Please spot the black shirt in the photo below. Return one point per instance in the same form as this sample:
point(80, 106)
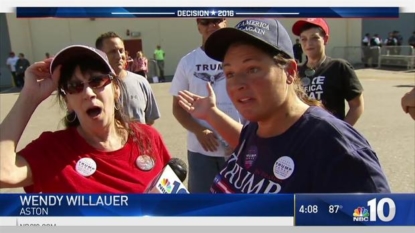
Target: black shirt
point(333, 82)
point(298, 51)
point(21, 65)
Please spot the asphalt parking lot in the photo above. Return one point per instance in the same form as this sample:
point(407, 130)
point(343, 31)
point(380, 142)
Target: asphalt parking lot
point(387, 128)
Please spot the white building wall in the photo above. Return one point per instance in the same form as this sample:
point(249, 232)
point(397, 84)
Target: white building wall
point(35, 37)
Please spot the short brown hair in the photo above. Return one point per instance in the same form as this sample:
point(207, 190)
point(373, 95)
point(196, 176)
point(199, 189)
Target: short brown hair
point(99, 43)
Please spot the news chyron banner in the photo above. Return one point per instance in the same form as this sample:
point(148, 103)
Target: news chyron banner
point(209, 209)
point(355, 210)
point(146, 210)
point(201, 12)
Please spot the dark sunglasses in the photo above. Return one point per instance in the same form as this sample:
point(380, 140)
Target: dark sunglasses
point(95, 82)
point(206, 22)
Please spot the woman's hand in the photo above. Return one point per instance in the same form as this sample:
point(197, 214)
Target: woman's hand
point(39, 82)
point(198, 106)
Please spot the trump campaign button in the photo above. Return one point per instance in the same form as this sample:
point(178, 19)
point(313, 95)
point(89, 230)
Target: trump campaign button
point(145, 162)
point(86, 166)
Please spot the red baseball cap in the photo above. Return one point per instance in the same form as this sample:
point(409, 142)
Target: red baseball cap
point(315, 21)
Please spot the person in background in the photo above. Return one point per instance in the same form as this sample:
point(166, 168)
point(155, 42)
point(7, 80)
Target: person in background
point(206, 150)
point(399, 39)
point(375, 45)
point(129, 61)
point(367, 54)
point(21, 65)
point(327, 79)
point(291, 144)
point(11, 64)
point(99, 151)
point(140, 64)
point(391, 46)
point(298, 51)
point(159, 56)
point(142, 105)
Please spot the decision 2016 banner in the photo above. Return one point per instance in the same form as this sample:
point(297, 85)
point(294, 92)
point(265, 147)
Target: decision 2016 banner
point(200, 12)
point(309, 210)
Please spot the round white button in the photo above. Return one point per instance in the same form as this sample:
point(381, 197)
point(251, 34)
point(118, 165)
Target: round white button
point(86, 166)
point(144, 162)
point(284, 167)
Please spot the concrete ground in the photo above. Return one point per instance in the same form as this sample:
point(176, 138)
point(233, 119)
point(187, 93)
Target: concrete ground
point(387, 128)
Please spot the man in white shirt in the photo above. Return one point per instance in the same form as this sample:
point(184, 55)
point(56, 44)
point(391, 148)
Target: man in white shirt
point(11, 64)
point(206, 149)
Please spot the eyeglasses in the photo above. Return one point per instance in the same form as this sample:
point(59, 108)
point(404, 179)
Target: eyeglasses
point(206, 22)
point(95, 82)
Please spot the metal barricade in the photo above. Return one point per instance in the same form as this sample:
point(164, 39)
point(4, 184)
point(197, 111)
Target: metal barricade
point(358, 55)
point(398, 56)
point(375, 56)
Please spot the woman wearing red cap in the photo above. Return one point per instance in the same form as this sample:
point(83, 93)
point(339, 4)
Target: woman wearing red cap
point(99, 151)
point(328, 79)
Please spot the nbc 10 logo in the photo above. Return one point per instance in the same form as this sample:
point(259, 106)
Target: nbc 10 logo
point(376, 210)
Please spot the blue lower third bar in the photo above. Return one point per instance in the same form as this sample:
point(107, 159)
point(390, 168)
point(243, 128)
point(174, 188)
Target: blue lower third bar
point(207, 12)
point(355, 210)
point(194, 205)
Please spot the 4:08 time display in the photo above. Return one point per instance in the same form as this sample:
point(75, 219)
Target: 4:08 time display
point(308, 209)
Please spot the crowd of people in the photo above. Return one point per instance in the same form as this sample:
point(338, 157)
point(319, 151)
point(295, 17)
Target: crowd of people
point(393, 43)
point(257, 121)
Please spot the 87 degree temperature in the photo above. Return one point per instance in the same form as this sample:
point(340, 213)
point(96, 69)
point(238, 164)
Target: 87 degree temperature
point(333, 209)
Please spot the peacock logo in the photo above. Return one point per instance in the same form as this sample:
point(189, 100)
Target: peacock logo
point(166, 185)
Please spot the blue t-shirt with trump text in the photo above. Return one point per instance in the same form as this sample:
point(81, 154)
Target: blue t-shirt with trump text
point(318, 154)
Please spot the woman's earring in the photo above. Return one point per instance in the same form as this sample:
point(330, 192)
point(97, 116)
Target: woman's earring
point(70, 121)
point(289, 81)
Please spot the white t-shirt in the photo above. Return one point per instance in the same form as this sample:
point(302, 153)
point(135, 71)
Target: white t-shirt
point(11, 61)
point(193, 72)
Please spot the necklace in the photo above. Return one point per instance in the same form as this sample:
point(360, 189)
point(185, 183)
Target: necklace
point(310, 72)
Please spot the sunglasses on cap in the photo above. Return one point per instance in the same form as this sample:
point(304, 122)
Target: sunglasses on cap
point(95, 82)
point(206, 22)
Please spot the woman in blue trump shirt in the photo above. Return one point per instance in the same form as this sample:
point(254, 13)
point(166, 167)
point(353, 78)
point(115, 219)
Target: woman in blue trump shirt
point(290, 145)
